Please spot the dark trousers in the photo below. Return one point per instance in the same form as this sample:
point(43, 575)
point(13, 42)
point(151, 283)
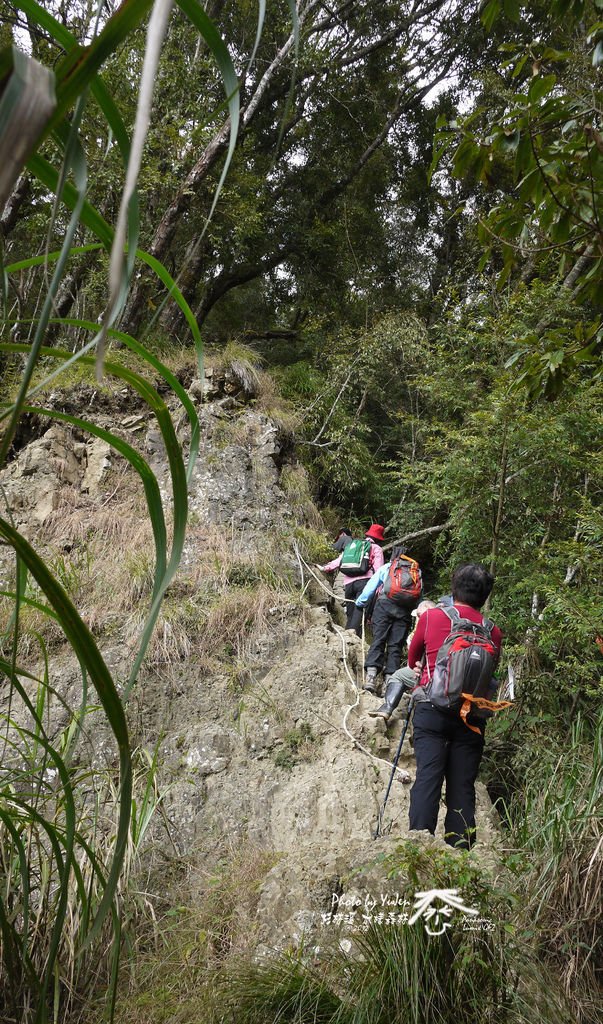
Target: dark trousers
point(354, 614)
point(390, 626)
point(445, 749)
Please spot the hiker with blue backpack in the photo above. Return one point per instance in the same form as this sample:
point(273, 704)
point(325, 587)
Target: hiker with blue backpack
point(400, 684)
point(454, 653)
point(400, 584)
point(357, 563)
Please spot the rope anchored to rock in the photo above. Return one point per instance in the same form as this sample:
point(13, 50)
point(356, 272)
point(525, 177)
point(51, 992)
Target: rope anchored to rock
point(403, 775)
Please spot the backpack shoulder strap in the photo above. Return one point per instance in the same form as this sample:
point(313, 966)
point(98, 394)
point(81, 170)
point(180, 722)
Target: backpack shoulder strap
point(452, 613)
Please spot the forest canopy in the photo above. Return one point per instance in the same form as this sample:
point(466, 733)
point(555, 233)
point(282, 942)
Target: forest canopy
point(391, 213)
point(408, 238)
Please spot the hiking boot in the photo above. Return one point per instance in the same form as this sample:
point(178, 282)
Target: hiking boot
point(393, 696)
point(370, 681)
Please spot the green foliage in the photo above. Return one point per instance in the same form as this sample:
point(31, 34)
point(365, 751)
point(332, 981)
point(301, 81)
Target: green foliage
point(67, 833)
point(382, 980)
point(556, 823)
point(350, 399)
point(312, 544)
point(520, 486)
point(297, 746)
point(542, 130)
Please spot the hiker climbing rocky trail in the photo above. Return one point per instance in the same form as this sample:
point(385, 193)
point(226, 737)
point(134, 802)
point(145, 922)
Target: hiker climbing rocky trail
point(271, 743)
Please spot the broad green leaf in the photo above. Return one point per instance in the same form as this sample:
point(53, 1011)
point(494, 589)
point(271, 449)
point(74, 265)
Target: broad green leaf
point(550, 53)
point(524, 156)
point(560, 231)
point(509, 141)
point(519, 66)
point(437, 156)
point(489, 13)
point(466, 156)
point(541, 86)
point(555, 359)
point(512, 9)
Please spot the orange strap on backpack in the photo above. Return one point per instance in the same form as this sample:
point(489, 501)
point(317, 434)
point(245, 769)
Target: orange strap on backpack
point(484, 705)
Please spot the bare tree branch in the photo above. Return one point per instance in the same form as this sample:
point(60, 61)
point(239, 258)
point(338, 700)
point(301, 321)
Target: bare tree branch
point(419, 533)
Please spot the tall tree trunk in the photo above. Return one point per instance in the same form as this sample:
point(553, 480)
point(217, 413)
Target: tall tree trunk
point(68, 293)
point(14, 203)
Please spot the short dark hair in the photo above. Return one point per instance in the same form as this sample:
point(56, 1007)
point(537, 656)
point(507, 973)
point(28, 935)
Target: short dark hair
point(472, 584)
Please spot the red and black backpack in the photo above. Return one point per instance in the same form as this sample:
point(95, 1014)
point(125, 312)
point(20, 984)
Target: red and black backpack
point(403, 583)
point(462, 679)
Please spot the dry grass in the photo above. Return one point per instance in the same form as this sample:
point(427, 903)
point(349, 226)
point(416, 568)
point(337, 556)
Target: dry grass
point(187, 938)
point(270, 402)
point(296, 486)
point(240, 364)
point(223, 602)
point(235, 431)
point(101, 554)
point(559, 827)
point(226, 595)
point(107, 551)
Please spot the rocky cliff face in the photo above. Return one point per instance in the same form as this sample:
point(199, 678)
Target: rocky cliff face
point(263, 741)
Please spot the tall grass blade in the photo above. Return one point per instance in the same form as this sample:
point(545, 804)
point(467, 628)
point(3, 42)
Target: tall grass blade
point(120, 273)
point(81, 63)
point(197, 16)
point(84, 644)
point(148, 478)
point(75, 158)
point(27, 102)
point(177, 473)
point(102, 230)
point(167, 375)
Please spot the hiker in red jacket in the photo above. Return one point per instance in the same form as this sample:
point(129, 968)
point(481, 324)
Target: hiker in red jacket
point(445, 746)
point(354, 585)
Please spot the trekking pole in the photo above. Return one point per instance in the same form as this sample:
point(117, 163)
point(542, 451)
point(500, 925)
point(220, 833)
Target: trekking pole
point(378, 830)
point(363, 650)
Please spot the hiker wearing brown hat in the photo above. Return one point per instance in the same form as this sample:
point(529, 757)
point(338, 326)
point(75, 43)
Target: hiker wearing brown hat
point(358, 561)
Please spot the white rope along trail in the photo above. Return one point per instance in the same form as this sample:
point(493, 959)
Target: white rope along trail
point(405, 777)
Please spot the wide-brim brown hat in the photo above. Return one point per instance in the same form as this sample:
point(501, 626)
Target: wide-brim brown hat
point(375, 532)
